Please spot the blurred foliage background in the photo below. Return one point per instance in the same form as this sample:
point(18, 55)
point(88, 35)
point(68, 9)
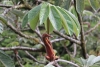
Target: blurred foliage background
point(8, 38)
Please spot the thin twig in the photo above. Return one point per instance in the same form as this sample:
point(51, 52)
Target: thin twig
point(92, 29)
point(6, 6)
point(74, 53)
point(67, 37)
point(21, 34)
point(33, 58)
point(69, 62)
point(61, 60)
point(17, 57)
point(56, 40)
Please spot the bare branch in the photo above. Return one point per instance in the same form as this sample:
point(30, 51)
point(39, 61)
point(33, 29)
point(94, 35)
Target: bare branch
point(56, 40)
point(75, 48)
point(20, 48)
point(21, 34)
point(89, 31)
point(67, 37)
point(61, 60)
point(7, 6)
point(33, 58)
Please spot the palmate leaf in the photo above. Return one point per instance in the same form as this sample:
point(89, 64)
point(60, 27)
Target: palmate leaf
point(6, 60)
point(54, 16)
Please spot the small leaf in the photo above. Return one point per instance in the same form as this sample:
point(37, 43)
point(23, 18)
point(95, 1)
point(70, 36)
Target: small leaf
point(55, 18)
point(18, 13)
point(44, 12)
point(95, 4)
point(25, 20)
point(33, 16)
point(33, 12)
point(6, 60)
point(80, 6)
point(34, 22)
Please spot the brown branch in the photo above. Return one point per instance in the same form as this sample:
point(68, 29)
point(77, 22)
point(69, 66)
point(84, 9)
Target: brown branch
point(33, 58)
point(20, 48)
point(21, 34)
point(75, 48)
point(83, 45)
point(92, 29)
point(67, 37)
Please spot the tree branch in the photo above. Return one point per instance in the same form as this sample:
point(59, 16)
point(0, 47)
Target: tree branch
point(33, 58)
point(7, 6)
point(67, 37)
point(21, 34)
point(20, 48)
point(83, 45)
point(61, 60)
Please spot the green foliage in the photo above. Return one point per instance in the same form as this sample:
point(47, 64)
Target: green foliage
point(50, 14)
point(92, 60)
point(95, 4)
point(80, 6)
point(6, 60)
point(49, 65)
point(49, 17)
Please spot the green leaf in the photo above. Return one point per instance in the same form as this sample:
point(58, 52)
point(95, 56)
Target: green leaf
point(90, 59)
point(33, 16)
point(34, 22)
point(3, 19)
point(66, 4)
point(18, 13)
point(49, 65)
point(55, 18)
point(44, 12)
point(72, 10)
point(25, 20)
point(65, 20)
point(80, 6)
point(6, 60)
point(75, 22)
point(96, 59)
point(95, 4)
point(71, 23)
